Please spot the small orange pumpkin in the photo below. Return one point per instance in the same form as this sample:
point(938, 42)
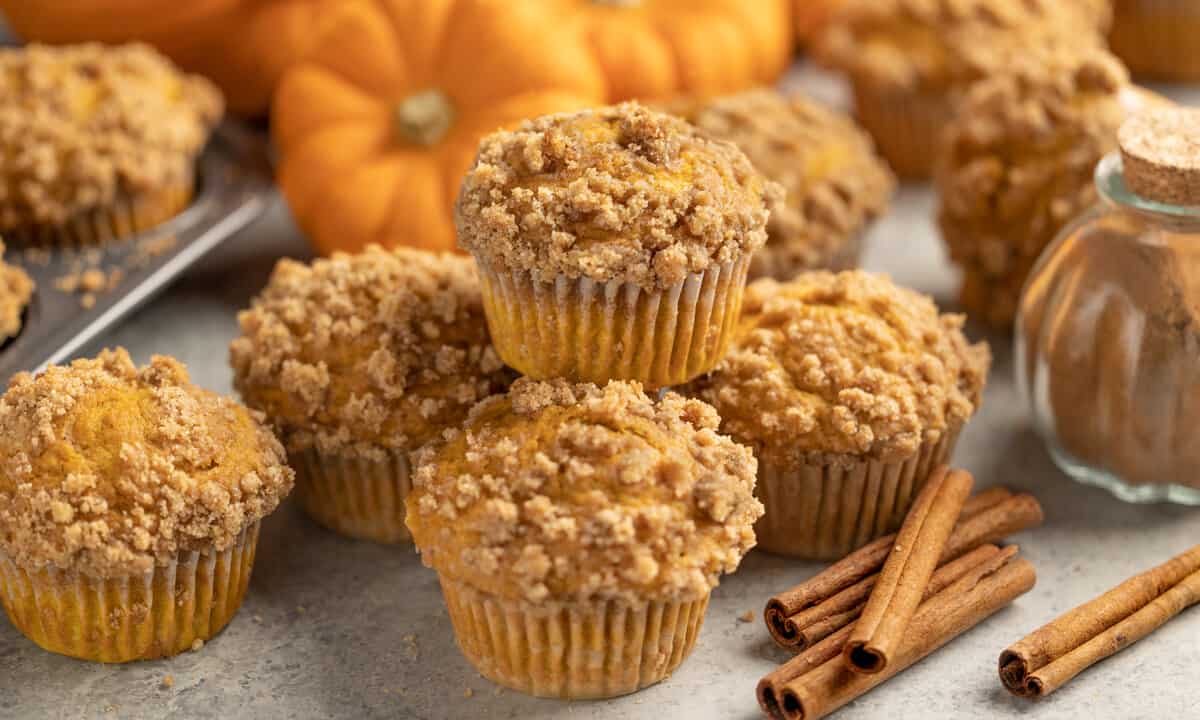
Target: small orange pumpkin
point(378, 125)
point(243, 45)
point(662, 48)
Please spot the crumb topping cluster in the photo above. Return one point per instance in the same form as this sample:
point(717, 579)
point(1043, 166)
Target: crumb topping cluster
point(583, 493)
point(833, 182)
point(16, 287)
point(1018, 166)
point(936, 44)
point(617, 193)
point(108, 469)
point(837, 367)
point(81, 124)
point(361, 354)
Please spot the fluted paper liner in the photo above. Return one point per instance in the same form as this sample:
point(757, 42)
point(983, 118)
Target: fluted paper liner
point(907, 127)
point(824, 512)
point(143, 617)
point(354, 496)
point(127, 215)
point(575, 650)
point(1157, 39)
point(587, 331)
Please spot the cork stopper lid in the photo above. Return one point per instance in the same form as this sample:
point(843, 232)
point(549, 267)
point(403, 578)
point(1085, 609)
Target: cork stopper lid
point(1161, 153)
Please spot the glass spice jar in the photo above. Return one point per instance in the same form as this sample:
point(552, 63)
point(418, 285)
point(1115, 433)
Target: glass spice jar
point(1108, 328)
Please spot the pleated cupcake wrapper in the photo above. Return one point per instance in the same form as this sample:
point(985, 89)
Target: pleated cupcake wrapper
point(144, 617)
point(127, 215)
point(824, 512)
point(907, 127)
point(572, 650)
point(586, 331)
point(356, 497)
point(1157, 39)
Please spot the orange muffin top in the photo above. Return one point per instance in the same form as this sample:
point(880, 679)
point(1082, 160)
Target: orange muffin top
point(108, 469)
point(366, 353)
point(834, 368)
point(617, 193)
point(559, 492)
point(833, 182)
point(16, 287)
point(933, 45)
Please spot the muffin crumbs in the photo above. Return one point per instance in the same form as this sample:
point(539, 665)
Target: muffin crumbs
point(560, 492)
point(618, 193)
point(834, 368)
point(108, 469)
point(16, 288)
point(82, 124)
point(359, 354)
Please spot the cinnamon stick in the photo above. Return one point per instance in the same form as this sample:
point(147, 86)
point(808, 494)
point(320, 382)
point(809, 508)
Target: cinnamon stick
point(1051, 657)
point(806, 614)
point(820, 682)
point(906, 573)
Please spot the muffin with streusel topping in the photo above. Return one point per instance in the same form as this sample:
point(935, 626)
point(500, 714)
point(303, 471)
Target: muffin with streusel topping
point(834, 184)
point(613, 244)
point(851, 391)
point(1017, 166)
point(130, 503)
point(911, 60)
point(358, 360)
point(16, 288)
point(578, 531)
point(99, 142)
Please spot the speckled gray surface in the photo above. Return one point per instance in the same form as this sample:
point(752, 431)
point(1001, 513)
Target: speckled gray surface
point(338, 629)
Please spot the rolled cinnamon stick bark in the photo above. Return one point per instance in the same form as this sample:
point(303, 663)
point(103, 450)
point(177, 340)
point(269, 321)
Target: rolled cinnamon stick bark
point(1051, 657)
point(814, 609)
point(906, 573)
point(826, 687)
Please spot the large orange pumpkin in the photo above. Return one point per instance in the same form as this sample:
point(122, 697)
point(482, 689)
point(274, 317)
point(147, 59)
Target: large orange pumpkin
point(243, 45)
point(660, 48)
point(378, 125)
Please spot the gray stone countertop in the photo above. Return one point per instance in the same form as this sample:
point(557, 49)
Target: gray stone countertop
point(337, 629)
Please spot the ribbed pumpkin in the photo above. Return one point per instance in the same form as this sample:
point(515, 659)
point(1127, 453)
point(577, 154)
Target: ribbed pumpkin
point(243, 45)
point(661, 48)
point(378, 125)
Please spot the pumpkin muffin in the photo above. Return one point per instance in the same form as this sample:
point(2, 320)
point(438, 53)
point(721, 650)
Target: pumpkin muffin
point(358, 360)
point(130, 503)
point(578, 531)
point(911, 60)
point(613, 244)
point(16, 288)
point(1157, 38)
point(1018, 164)
point(834, 184)
point(851, 391)
point(99, 142)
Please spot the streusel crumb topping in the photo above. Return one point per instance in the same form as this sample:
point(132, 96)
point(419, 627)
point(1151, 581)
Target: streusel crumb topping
point(560, 492)
point(81, 124)
point(364, 353)
point(938, 44)
point(617, 193)
point(835, 368)
point(108, 469)
point(833, 182)
point(1018, 166)
point(16, 287)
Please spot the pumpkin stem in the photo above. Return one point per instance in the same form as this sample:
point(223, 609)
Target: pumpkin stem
point(424, 118)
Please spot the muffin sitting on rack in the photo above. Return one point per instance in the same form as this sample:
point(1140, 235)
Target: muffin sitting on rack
point(16, 289)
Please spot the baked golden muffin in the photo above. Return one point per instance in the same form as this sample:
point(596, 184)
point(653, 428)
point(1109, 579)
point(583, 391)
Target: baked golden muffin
point(911, 60)
point(833, 183)
point(16, 288)
point(358, 360)
point(578, 531)
point(130, 503)
point(1017, 166)
point(99, 142)
point(612, 243)
point(851, 391)
point(1157, 38)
